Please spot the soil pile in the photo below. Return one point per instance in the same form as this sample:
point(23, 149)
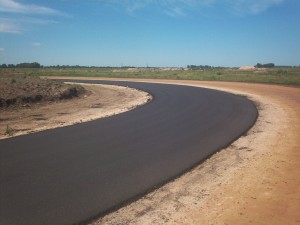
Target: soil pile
point(22, 90)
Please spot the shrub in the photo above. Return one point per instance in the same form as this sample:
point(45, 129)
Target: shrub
point(8, 131)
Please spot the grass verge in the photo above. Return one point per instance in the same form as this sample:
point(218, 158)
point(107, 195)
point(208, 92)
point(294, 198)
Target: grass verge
point(288, 76)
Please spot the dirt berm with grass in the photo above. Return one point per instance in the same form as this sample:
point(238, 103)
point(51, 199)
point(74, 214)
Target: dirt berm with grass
point(29, 104)
point(22, 91)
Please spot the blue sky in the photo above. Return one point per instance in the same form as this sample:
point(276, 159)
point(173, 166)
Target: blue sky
point(150, 32)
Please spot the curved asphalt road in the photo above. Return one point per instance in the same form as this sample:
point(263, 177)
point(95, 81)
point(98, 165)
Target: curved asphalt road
point(72, 174)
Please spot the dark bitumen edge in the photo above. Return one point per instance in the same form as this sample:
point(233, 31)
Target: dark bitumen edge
point(172, 179)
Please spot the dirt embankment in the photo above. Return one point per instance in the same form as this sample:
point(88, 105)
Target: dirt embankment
point(97, 101)
point(22, 91)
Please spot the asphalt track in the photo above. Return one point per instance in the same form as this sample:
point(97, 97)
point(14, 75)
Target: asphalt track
point(72, 174)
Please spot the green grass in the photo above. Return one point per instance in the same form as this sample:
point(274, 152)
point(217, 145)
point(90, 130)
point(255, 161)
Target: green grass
point(8, 131)
point(289, 76)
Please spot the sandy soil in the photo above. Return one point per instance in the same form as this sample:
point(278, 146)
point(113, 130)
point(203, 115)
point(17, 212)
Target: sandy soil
point(102, 101)
point(256, 180)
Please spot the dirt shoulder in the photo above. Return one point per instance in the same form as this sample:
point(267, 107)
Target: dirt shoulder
point(253, 181)
point(98, 101)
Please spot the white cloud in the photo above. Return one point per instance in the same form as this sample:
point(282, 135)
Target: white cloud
point(8, 26)
point(129, 5)
point(181, 7)
point(175, 12)
point(1, 50)
point(18, 25)
point(15, 7)
point(253, 6)
point(36, 44)
point(20, 15)
point(169, 7)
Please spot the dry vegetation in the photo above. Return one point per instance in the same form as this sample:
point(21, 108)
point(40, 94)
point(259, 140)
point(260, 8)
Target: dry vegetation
point(24, 90)
point(277, 75)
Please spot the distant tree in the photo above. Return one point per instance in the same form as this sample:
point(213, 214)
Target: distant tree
point(259, 65)
point(3, 66)
point(28, 65)
point(200, 67)
point(267, 65)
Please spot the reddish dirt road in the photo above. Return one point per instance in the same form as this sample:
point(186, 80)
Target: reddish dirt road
point(268, 191)
point(256, 180)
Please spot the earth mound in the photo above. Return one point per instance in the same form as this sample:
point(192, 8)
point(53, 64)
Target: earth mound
point(23, 90)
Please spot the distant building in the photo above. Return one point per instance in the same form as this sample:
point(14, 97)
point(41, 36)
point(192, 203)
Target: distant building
point(247, 68)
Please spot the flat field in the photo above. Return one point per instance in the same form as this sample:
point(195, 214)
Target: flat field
point(288, 76)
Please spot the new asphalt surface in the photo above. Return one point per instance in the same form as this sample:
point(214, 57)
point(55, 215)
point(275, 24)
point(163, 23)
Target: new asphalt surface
point(72, 174)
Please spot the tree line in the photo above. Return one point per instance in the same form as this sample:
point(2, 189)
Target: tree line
point(22, 65)
point(192, 67)
point(267, 65)
point(37, 65)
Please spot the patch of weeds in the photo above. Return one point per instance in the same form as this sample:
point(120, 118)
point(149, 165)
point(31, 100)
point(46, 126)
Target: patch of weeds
point(13, 80)
point(8, 131)
point(282, 72)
